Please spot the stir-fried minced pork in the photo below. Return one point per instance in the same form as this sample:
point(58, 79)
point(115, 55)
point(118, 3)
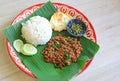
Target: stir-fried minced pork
point(62, 51)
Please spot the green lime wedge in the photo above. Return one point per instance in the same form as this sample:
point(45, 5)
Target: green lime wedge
point(18, 44)
point(28, 49)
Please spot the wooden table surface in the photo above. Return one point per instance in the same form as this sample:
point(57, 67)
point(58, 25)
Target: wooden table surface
point(105, 17)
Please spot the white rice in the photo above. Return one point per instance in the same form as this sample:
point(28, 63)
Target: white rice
point(37, 30)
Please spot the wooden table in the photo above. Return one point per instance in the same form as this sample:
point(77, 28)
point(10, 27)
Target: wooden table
point(105, 17)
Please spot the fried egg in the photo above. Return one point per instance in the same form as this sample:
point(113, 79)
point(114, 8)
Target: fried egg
point(59, 21)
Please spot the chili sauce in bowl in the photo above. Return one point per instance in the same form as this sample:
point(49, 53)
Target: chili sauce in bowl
point(76, 28)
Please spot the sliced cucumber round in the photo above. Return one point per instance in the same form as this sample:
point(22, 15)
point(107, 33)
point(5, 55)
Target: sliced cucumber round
point(18, 44)
point(28, 49)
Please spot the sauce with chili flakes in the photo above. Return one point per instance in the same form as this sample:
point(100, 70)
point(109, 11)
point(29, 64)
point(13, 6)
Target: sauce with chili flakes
point(62, 51)
point(76, 28)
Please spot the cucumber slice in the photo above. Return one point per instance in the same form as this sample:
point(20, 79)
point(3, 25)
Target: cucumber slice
point(28, 49)
point(18, 44)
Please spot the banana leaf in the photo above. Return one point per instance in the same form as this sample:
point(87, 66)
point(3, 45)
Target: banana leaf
point(36, 64)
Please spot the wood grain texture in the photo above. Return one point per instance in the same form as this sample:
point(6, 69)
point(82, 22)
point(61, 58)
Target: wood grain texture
point(105, 17)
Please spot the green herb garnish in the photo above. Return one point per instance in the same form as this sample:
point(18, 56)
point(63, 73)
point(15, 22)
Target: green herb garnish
point(64, 46)
point(66, 56)
point(53, 52)
point(56, 45)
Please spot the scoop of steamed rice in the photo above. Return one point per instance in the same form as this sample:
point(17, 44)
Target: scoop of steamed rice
point(37, 30)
